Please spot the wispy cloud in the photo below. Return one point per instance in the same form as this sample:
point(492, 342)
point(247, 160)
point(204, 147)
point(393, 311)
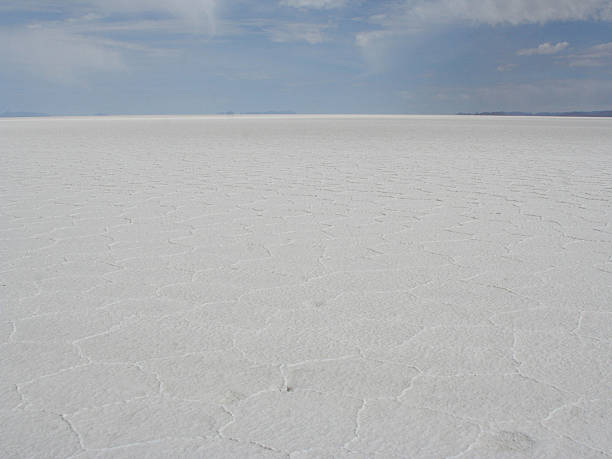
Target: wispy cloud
point(411, 17)
point(512, 12)
point(198, 14)
point(296, 32)
point(78, 45)
point(195, 16)
point(543, 49)
point(595, 56)
point(506, 67)
point(59, 56)
point(315, 4)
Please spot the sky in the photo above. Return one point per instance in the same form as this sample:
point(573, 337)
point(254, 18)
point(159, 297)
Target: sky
point(306, 56)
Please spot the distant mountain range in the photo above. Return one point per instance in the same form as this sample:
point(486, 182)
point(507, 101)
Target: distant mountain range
point(270, 112)
point(21, 114)
point(34, 114)
point(599, 114)
point(596, 114)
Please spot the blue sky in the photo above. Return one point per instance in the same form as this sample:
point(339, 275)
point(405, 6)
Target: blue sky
point(308, 56)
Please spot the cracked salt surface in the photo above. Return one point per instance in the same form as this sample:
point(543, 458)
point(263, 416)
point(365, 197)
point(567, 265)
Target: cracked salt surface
point(305, 287)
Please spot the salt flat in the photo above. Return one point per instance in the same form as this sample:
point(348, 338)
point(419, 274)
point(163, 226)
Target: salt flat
point(306, 286)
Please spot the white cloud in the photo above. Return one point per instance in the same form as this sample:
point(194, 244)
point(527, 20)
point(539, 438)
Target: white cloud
point(72, 49)
point(544, 48)
point(196, 15)
point(374, 47)
point(506, 67)
point(415, 16)
point(57, 55)
point(315, 4)
point(286, 33)
point(595, 56)
point(513, 12)
point(30, 5)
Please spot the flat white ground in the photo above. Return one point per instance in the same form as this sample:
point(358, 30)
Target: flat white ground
point(305, 286)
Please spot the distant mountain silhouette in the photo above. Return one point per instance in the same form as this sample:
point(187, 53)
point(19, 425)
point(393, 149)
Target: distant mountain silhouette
point(21, 114)
point(269, 112)
point(597, 114)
